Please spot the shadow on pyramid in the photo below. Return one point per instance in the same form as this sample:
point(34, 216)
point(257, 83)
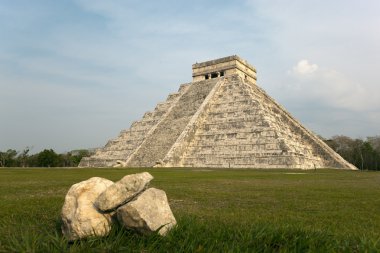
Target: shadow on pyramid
point(220, 120)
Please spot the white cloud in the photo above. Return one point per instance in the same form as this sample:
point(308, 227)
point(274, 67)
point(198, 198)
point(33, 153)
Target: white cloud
point(311, 83)
point(303, 67)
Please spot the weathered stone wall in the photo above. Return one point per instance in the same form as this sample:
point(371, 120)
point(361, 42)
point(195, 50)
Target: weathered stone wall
point(175, 155)
point(235, 133)
point(300, 135)
point(245, 128)
point(127, 142)
point(158, 143)
point(230, 65)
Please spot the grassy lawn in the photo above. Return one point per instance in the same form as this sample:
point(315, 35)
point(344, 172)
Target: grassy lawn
point(216, 210)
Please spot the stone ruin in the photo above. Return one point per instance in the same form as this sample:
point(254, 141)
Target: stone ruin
point(222, 119)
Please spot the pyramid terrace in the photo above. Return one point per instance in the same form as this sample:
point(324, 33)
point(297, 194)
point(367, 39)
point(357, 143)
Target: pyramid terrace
point(222, 119)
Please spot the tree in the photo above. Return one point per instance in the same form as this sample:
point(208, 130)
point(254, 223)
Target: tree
point(7, 159)
point(370, 156)
point(356, 156)
point(365, 155)
point(23, 157)
point(48, 158)
point(343, 145)
point(79, 154)
point(375, 142)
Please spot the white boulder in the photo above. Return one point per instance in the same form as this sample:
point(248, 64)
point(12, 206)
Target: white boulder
point(149, 212)
point(122, 191)
point(79, 215)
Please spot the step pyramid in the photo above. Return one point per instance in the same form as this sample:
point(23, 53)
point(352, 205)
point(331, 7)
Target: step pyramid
point(223, 120)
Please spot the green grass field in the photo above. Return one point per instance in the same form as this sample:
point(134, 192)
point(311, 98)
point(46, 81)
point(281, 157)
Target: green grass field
point(216, 210)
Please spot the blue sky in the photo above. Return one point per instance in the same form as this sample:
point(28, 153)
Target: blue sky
point(74, 73)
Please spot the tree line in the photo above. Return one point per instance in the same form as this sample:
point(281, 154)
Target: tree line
point(364, 154)
point(45, 158)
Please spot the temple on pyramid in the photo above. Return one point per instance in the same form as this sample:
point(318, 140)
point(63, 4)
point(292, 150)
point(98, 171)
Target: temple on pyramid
point(222, 119)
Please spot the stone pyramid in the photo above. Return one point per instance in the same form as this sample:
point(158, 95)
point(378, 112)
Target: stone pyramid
point(222, 119)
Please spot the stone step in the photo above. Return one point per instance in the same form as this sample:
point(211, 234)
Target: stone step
point(128, 140)
point(157, 145)
point(230, 131)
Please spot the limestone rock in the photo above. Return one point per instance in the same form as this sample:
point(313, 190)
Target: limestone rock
point(122, 191)
point(149, 212)
point(80, 217)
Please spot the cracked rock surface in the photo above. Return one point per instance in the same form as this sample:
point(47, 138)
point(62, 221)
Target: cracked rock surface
point(80, 217)
point(122, 191)
point(149, 212)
